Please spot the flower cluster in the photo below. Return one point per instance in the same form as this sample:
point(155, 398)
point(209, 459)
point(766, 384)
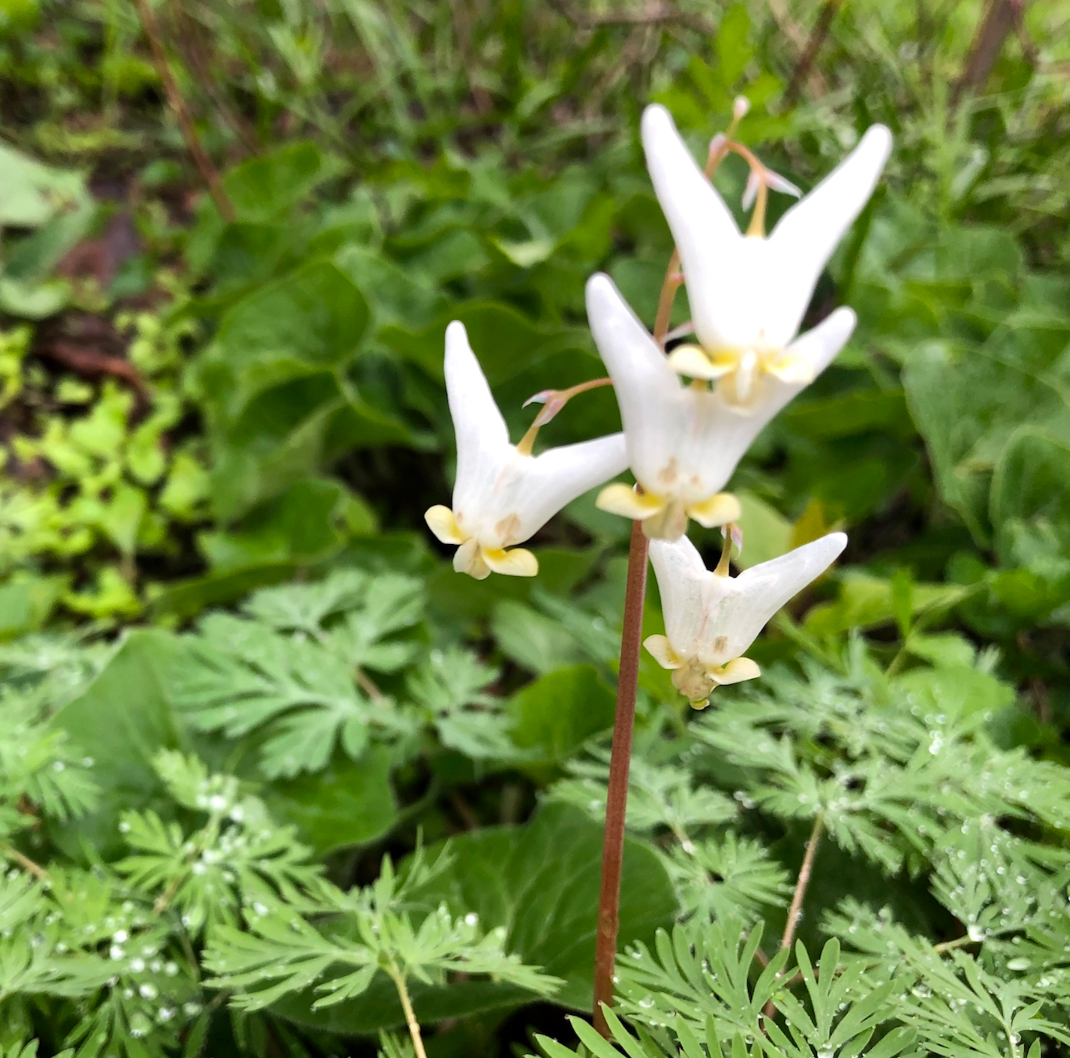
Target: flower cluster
point(689, 414)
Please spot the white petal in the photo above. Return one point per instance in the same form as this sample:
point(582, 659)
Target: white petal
point(760, 591)
point(482, 436)
point(556, 477)
point(648, 391)
point(803, 241)
point(820, 345)
point(682, 577)
point(705, 232)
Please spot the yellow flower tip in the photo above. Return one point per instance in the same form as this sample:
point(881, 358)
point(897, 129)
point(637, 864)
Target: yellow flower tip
point(694, 362)
point(735, 672)
point(442, 522)
point(718, 510)
point(662, 652)
point(468, 558)
point(670, 523)
point(624, 500)
point(517, 562)
point(700, 703)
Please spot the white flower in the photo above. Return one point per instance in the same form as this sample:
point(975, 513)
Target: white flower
point(684, 441)
point(748, 293)
point(503, 496)
point(711, 618)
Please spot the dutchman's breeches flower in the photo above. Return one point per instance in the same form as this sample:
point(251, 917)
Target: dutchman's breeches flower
point(503, 496)
point(684, 441)
point(748, 293)
point(712, 618)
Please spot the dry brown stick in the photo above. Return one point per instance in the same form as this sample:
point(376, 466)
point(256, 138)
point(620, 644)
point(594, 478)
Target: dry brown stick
point(182, 115)
point(795, 910)
point(619, 765)
point(26, 863)
point(809, 52)
point(92, 363)
point(188, 41)
point(1000, 18)
point(654, 14)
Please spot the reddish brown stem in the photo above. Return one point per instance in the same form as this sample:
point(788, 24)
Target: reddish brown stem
point(673, 277)
point(177, 104)
point(619, 765)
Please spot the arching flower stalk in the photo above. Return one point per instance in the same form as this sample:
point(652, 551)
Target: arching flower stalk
point(748, 292)
point(503, 494)
point(712, 618)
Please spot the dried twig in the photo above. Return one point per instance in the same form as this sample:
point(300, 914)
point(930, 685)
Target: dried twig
point(652, 15)
point(189, 42)
point(809, 52)
point(93, 363)
point(25, 863)
point(795, 911)
point(182, 115)
point(1000, 18)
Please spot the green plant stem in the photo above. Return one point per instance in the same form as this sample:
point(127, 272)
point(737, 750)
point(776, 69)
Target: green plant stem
point(406, 1005)
point(619, 767)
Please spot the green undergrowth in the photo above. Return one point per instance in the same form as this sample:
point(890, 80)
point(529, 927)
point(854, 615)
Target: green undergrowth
point(269, 766)
point(224, 863)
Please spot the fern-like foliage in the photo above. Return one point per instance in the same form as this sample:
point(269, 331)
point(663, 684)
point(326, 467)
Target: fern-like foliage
point(371, 931)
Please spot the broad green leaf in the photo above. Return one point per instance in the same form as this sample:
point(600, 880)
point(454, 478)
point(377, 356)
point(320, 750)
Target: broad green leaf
point(122, 720)
point(513, 876)
point(556, 714)
point(349, 803)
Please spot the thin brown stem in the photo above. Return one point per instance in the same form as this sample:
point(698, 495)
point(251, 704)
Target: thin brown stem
point(809, 52)
point(998, 22)
point(652, 15)
point(410, 1015)
point(795, 911)
point(368, 685)
point(178, 106)
point(673, 276)
point(673, 282)
point(619, 766)
point(26, 863)
point(951, 945)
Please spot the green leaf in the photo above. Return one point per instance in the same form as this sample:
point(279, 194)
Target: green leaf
point(1030, 504)
point(309, 521)
point(348, 803)
point(556, 714)
point(122, 720)
point(34, 192)
point(315, 315)
point(27, 600)
point(513, 876)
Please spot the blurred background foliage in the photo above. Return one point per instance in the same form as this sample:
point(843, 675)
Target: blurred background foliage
point(221, 370)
